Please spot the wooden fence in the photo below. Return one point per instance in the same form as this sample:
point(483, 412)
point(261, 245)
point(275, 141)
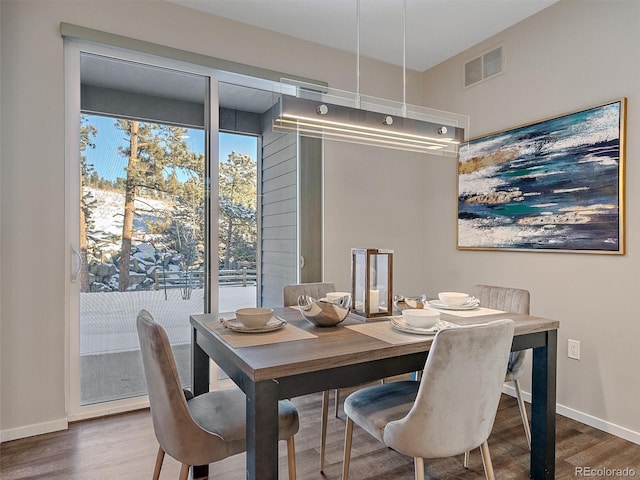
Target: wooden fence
point(195, 278)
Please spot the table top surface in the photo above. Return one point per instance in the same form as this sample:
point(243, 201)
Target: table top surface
point(335, 346)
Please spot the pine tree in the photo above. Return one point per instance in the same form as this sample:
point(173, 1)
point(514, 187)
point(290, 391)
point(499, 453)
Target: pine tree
point(152, 148)
point(87, 202)
point(237, 222)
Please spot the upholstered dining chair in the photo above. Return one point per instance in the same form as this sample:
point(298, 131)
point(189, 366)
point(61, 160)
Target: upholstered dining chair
point(514, 300)
point(197, 430)
point(451, 410)
point(315, 290)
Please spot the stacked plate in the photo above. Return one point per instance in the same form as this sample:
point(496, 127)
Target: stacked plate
point(470, 304)
point(275, 323)
point(400, 324)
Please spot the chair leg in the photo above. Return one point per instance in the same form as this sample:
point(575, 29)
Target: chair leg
point(418, 464)
point(159, 460)
point(348, 434)
point(337, 406)
point(467, 457)
point(486, 461)
point(523, 413)
point(184, 472)
point(291, 457)
point(323, 427)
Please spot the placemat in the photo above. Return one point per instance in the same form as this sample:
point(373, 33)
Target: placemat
point(469, 313)
point(287, 333)
point(383, 331)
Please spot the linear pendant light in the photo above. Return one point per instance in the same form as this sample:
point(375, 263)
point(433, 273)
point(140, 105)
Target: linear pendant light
point(327, 113)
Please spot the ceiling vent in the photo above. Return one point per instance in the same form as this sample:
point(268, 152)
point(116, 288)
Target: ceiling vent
point(483, 67)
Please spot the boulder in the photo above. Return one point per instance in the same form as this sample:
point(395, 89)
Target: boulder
point(146, 252)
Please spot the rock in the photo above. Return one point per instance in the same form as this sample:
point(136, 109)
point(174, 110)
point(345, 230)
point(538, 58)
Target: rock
point(139, 265)
point(98, 287)
point(147, 284)
point(146, 252)
point(136, 278)
point(113, 282)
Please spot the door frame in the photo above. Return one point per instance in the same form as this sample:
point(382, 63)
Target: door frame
point(72, 51)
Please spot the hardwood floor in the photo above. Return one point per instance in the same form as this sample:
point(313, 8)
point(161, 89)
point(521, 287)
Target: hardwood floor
point(124, 447)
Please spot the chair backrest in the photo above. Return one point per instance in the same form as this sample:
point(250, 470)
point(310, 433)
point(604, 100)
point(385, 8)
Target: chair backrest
point(514, 300)
point(175, 429)
point(459, 392)
point(315, 290)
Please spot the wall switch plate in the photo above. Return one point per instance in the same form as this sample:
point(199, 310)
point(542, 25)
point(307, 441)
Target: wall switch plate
point(574, 349)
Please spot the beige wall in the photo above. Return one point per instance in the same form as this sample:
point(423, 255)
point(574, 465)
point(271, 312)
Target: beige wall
point(564, 58)
point(568, 57)
point(32, 331)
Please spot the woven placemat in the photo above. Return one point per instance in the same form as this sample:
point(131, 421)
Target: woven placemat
point(383, 331)
point(288, 333)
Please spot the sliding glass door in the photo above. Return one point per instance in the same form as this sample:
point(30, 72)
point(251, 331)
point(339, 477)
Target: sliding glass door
point(142, 244)
point(181, 200)
point(140, 225)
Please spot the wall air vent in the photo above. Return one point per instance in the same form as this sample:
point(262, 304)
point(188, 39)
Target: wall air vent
point(487, 65)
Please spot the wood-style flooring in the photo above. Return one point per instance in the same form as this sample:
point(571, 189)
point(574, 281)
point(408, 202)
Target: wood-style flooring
point(124, 447)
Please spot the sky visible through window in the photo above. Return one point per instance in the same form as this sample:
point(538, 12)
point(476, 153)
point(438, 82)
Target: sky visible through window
point(109, 164)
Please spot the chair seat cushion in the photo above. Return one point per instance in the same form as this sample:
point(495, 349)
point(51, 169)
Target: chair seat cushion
point(223, 412)
point(374, 407)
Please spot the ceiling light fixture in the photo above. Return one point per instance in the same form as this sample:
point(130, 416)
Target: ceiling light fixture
point(322, 112)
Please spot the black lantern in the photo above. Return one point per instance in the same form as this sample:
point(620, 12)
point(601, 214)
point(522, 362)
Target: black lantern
point(371, 282)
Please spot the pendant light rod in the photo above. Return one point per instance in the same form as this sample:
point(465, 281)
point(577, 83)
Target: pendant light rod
point(404, 57)
point(357, 53)
point(321, 112)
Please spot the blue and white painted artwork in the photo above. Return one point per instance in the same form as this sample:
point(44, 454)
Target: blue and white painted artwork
point(551, 185)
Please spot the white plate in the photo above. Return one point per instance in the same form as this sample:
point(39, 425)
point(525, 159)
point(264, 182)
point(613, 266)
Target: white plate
point(444, 306)
point(399, 323)
point(275, 323)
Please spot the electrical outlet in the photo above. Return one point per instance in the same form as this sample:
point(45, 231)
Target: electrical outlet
point(573, 350)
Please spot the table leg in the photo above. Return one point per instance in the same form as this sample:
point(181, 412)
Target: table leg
point(199, 366)
point(199, 385)
point(543, 409)
point(262, 430)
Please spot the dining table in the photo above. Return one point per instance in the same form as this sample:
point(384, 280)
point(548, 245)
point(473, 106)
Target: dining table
point(300, 358)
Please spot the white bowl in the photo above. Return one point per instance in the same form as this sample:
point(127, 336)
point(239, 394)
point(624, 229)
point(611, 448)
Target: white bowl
point(333, 296)
point(421, 318)
point(453, 298)
point(254, 317)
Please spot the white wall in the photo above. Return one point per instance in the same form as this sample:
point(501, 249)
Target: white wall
point(32, 332)
point(568, 57)
point(565, 58)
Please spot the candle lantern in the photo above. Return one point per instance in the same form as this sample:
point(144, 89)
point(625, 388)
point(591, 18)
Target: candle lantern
point(371, 282)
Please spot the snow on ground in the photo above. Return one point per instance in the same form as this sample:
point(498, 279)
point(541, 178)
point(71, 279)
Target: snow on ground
point(109, 210)
point(108, 319)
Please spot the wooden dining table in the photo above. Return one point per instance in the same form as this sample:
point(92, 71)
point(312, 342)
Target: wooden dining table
point(300, 359)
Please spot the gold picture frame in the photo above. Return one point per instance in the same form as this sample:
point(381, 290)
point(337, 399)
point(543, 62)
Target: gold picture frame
point(556, 185)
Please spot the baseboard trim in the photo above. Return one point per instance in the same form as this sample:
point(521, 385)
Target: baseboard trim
point(33, 430)
point(585, 418)
point(92, 411)
point(111, 408)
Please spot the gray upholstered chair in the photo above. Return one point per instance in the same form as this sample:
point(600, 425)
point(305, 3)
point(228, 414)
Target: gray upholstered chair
point(513, 300)
point(197, 430)
point(315, 290)
point(451, 410)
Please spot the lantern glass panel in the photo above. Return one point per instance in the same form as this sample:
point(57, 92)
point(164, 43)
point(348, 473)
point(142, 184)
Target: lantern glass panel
point(379, 287)
point(372, 282)
point(360, 270)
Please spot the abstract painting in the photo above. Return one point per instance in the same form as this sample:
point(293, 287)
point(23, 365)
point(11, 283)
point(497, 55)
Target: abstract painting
point(554, 185)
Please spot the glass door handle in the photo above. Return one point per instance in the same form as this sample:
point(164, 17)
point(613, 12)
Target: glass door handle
point(76, 266)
